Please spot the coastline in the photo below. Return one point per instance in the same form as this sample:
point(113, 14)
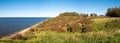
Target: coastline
point(22, 32)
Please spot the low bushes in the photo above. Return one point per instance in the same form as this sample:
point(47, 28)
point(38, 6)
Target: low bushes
point(74, 27)
point(69, 14)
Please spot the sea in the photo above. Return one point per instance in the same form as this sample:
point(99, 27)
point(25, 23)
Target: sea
point(10, 25)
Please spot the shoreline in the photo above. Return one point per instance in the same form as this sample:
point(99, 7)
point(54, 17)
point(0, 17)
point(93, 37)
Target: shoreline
point(23, 31)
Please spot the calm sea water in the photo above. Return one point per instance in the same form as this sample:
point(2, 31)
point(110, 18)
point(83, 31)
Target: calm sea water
point(11, 25)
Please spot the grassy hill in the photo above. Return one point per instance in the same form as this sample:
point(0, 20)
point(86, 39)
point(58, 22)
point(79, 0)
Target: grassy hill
point(71, 29)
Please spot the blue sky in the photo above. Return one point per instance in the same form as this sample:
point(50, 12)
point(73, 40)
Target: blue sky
point(52, 8)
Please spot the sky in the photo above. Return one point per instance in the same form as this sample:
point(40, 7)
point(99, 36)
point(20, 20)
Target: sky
point(52, 8)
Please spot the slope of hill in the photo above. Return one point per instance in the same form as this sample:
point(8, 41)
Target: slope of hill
point(71, 29)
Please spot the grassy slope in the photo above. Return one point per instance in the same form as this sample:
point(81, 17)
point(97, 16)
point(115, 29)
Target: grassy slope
point(105, 23)
point(48, 32)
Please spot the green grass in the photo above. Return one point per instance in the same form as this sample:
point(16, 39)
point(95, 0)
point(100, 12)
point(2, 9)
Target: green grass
point(58, 37)
point(12, 41)
point(105, 23)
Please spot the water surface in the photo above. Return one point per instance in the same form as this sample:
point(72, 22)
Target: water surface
point(11, 25)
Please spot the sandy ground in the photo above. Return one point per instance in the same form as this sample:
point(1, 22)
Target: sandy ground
point(22, 32)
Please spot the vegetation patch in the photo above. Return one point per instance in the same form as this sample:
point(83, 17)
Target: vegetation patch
point(105, 24)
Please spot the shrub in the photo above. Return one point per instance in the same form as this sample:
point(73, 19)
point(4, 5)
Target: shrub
point(61, 29)
point(17, 36)
point(86, 26)
point(74, 27)
point(69, 14)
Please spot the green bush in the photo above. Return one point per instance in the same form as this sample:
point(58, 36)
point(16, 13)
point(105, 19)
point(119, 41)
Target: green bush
point(69, 14)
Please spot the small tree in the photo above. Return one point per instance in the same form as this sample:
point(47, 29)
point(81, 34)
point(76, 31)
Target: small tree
point(113, 12)
point(93, 14)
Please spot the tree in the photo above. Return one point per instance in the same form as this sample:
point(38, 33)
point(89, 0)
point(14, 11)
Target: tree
point(93, 14)
point(113, 12)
